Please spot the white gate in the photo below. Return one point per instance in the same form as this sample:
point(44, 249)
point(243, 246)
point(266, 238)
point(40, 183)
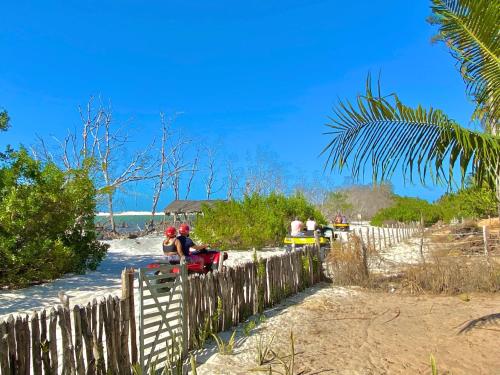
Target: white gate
point(162, 319)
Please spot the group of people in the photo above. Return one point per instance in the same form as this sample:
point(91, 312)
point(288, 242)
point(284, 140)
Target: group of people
point(176, 245)
point(297, 226)
point(340, 219)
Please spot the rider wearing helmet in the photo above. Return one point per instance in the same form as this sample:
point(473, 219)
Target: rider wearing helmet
point(172, 247)
point(186, 242)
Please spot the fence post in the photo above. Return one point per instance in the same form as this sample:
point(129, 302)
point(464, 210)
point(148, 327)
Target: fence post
point(379, 240)
point(124, 305)
point(485, 239)
point(133, 326)
point(184, 286)
point(422, 238)
point(364, 254)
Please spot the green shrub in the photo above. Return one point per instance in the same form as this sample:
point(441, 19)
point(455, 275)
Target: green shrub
point(472, 202)
point(46, 221)
point(255, 221)
point(406, 210)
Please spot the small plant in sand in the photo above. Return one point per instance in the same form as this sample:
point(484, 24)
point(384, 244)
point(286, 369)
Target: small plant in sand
point(434, 370)
point(210, 325)
point(281, 365)
point(264, 353)
point(248, 327)
point(225, 348)
point(288, 362)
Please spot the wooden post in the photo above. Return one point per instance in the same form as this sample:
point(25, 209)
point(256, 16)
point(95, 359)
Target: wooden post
point(367, 243)
point(11, 340)
point(123, 356)
point(133, 327)
point(35, 345)
point(316, 239)
point(85, 320)
point(4, 349)
point(364, 253)
point(184, 286)
point(54, 360)
point(422, 238)
point(379, 240)
point(485, 239)
point(220, 265)
point(80, 365)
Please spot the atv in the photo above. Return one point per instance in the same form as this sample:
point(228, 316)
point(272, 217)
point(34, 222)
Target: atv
point(206, 260)
point(326, 234)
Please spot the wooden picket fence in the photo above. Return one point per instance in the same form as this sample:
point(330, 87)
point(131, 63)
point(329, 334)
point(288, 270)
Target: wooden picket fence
point(248, 289)
point(101, 337)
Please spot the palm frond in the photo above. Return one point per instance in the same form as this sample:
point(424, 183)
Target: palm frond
point(383, 132)
point(470, 28)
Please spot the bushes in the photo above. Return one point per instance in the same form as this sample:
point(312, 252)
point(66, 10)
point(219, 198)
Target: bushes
point(472, 202)
point(255, 221)
point(46, 221)
point(406, 209)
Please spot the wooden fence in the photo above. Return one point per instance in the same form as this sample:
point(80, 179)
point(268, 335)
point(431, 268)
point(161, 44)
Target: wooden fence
point(100, 338)
point(380, 238)
point(247, 289)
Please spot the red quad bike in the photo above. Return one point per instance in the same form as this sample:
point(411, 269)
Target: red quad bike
point(207, 260)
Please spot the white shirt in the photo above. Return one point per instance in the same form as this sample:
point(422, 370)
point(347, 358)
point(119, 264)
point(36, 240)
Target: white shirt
point(296, 227)
point(311, 225)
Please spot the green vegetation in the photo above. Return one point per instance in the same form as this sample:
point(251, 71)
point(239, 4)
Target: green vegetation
point(46, 221)
point(255, 221)
point(472, 202)
point(225, 348)
point(406, 209)
point(4, 120)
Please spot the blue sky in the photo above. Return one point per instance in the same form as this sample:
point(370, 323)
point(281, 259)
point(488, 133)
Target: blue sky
point(245, 75)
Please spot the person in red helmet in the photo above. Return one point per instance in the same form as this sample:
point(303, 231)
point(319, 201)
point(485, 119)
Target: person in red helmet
point(186, 242)
point(172, 247)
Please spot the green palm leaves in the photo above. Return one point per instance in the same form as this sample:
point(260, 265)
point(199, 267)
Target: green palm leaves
point(385, 133)
point(470, 28)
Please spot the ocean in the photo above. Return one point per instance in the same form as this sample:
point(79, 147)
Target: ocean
point(133, 221)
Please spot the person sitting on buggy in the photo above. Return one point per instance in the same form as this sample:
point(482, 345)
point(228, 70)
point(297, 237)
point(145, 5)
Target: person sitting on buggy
point(172, 247)
point(187, 244)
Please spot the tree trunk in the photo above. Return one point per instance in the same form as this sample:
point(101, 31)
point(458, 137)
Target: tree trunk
point(111, 217)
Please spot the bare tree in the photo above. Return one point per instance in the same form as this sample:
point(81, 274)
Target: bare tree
point(103, 149)
point(163, 157)
point(194, 169)
point(231, 180)
point(264, 174)
point(210, 178)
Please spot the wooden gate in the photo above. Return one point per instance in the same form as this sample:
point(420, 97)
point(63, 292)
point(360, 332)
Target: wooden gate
point(162, 318)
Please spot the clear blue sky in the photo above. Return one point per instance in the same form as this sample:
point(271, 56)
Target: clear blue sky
point(248, 74)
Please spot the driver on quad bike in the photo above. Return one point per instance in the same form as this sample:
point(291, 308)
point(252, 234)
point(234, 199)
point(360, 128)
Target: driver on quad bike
point(187, 243)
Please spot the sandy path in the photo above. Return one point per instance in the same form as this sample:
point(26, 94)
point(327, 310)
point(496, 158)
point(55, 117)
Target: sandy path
point(350, 331)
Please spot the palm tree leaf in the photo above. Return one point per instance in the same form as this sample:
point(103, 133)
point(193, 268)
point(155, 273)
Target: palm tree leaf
point(470, 30)
point(384, 133)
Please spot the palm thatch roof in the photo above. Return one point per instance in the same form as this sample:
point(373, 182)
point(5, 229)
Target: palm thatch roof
point(188, 206)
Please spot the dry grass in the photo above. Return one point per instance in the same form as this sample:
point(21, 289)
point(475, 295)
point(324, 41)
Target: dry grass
point(348, 263)
point(448, 272)
point(453, 275)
